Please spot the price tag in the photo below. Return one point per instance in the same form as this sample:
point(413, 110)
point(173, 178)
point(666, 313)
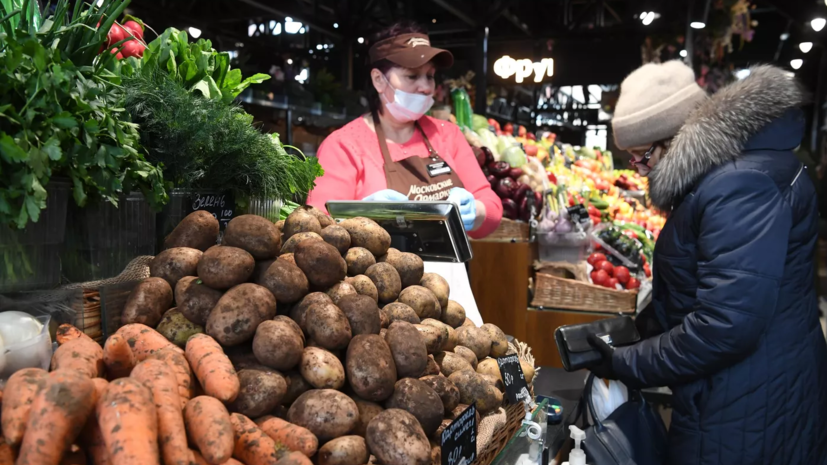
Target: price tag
point(221, 206)
point(459, 439)
point(516, 387)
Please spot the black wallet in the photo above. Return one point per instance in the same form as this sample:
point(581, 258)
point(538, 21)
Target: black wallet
point(573, 343)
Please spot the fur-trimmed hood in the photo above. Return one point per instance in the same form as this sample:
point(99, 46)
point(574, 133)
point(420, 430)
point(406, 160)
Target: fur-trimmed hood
point(715, 133)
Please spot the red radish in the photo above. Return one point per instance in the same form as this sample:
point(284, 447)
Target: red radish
point(133, 48)
point(633, 283)
point(117, 54)
point(622, 274)
point(596, 258)
point(605, 266)
point(115, 35)
point(600, 277)
point(612, 283)
point(135, 28)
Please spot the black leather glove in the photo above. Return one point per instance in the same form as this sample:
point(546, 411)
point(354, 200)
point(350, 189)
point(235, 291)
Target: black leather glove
point(603, 370)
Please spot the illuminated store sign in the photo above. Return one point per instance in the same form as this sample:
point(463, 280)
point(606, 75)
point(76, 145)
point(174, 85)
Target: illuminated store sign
point(522, 69)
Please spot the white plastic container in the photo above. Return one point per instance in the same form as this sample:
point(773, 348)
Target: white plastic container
point(30, 352)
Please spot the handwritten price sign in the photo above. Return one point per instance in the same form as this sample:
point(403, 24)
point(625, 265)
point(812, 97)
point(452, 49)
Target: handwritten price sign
point(221, 206)
point(516, 388)
point(459, 439)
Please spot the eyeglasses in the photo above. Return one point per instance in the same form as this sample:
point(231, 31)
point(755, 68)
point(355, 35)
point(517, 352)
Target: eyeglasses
point(646, 156)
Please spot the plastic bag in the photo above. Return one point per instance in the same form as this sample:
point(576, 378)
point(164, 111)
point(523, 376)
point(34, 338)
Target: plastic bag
point(607, 399)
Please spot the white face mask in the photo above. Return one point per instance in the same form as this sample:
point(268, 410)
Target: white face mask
point(407, 106)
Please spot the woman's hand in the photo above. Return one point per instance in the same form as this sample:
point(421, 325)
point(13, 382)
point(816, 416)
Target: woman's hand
point(605, 369)
point(387, 195)
point(467, 206)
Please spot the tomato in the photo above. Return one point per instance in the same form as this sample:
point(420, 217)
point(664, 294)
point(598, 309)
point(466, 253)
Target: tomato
point(622, 274)
point(647, 270)
point(115, 35)
point(135, 28)
point(600, 277)
point(633, 283)
point(612, 283)
point(630, 233)
point(133, 48)
point(596, 258)
point(605, 266)
point(595, 220)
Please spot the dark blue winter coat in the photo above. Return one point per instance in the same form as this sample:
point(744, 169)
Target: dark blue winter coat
point(743, 350)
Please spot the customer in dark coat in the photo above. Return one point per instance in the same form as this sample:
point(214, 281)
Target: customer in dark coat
point(742, 347)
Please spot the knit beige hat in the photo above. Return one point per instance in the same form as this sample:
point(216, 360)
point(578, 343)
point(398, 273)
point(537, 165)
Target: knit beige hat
point(655, 101)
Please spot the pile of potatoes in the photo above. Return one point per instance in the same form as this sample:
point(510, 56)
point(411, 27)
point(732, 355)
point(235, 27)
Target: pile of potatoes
point(328, 328)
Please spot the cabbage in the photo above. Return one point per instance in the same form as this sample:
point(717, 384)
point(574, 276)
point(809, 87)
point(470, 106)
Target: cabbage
point(504, 142)
point(488, 139)
point(479, 122)
point(514, 156)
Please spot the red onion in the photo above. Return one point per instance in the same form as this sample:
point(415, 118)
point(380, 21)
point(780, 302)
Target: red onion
point(510, 209)
point(505, 188)
point(499, 169)
point(515, 173)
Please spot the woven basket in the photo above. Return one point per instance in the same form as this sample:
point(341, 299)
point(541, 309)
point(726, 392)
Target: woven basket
point(510, 230)
point(514, 415)
point(553, 292)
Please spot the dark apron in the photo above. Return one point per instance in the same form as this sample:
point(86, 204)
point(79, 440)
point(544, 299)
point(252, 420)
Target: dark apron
point(418, 178)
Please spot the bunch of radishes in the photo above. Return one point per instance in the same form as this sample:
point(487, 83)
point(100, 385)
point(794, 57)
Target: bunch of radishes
point(131, 31)
point(607, 275)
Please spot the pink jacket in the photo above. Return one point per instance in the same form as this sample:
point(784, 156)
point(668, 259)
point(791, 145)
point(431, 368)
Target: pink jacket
point(353, 165)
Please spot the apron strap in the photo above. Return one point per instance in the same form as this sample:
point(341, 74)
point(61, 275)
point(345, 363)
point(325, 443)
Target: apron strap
point(390, 166)
point(431, 150)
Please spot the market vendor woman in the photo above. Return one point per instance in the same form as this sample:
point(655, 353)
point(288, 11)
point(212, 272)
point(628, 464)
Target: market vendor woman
point(395, 153)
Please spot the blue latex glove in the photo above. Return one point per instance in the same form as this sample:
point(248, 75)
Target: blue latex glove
point(387, 195)
point(467, 206)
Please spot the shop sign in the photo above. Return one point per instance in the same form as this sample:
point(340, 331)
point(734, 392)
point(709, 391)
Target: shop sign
point(221, 206)
point(505, 67)
point(458, 443)
point(516, 387)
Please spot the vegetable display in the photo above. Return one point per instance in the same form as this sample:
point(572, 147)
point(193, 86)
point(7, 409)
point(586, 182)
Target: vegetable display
point(341, 378)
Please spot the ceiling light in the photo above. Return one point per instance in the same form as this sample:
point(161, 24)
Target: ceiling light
point(194, 32)
point(324, 46)
point(642, 15)
point(292, 27)
point(301, 31)
point(433, 20)
point(289, 61)
point(697, 25)
point(335, 25)
point(361, 40)
point(742, 73)
point(650, 16)
point(319, 46)
point(251, 29)
point(683, 53)
point(785, 36)
point(277, 29)
point(805, 46)
point(818, 24)
point(797, 63)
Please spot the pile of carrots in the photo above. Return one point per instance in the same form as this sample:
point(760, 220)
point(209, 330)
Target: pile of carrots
point(135, 401)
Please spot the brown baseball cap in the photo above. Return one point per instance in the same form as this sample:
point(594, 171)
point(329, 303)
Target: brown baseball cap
point(410, 51)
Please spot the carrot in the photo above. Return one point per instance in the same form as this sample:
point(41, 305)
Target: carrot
point(7, 455)
point(294, 458)
point(144, 340)
point(75, 456)
point(212, 368)
point(183, 372)
point(294, 437)
point(91, 437)
point(208, 424)
point(199, 460)
point(58, 414)
point(21, 389)
point(252, 445)
point(118, 357)
point(129, 423)
point(159, 378)
point(81, 355)
point(67, 332)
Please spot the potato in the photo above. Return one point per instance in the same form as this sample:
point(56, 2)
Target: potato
point(386, 279)
point(434, 337)
point(451, 342)
point(147, 302)
point(280, 225)
point(362, 314)
point(260, 268)
point(346, 450)
point(468, 322)
point(321, 369)
point(450, 363)
point(278, 345)
point(528, 371)
point(398, 311)
point(437, 436)
point(195, 300)
point(371, 370)
point(475, 339)
point(384, 318)
point(364, 286)
point(175, 263)
point(409, 266)
point(438, 325)
point(467, 354)
point(439, 286)
point(396, 437)
point(432, 368)
point(474, 388)
point(338, 237)
point(408, 349)
point(367, 410)
point(223, 267)
point(289, 245)
point(358, 260)
point(495, 381)
point(499, 343)
point(324, 219)
point(239, 312)
point(198, 230)
point(298, 312)
point(453, 315)
point(177, 328)
point(384, 258)
point(291, 323)
point(415, 397)
point(436, 452)
point(321, 263)
point(242, 356)
point(286, 282)
point(340, 290)
point(254, 234)
point(289, 258)
point(261, 391)
point(446, 390)
point(328, 326)
point(421, 300)
point(300, 221)
point(366, 233)
point(326, 413)
point(489, 366)
point(296, 386)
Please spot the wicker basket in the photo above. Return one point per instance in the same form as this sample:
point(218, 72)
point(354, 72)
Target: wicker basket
point(553, 292)
point(510, 230)
point(514, 418)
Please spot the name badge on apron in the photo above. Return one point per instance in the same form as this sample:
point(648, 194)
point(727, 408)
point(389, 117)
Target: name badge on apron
point(438, 168)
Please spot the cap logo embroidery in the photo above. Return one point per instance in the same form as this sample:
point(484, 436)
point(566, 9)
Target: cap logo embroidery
point(417, 41)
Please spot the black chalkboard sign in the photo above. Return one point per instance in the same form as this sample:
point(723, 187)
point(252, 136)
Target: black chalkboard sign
point(222, 206)
point(459, 440)
point(516, 388)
